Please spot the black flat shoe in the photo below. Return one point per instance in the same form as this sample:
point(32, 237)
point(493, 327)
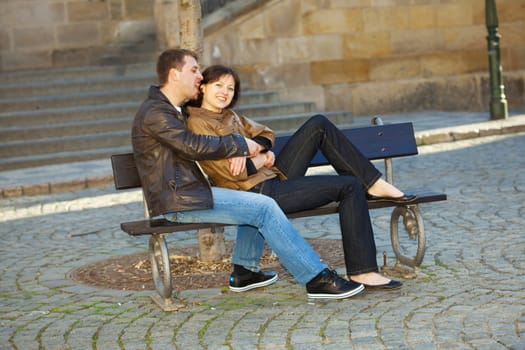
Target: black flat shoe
point(393, 284)
point(407, 198)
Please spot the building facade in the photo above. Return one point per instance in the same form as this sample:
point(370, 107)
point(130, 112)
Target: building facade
point(364, 56)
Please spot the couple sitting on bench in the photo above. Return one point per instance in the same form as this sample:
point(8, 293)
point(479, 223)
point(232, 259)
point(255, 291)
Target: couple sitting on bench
point(235, 152)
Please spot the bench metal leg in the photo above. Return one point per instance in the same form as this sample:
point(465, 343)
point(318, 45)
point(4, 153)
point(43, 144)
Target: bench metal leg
point(160, 269)
point(413, 223)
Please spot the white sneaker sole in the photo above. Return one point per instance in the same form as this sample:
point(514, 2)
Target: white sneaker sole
point(255, 285)
point(337, 296)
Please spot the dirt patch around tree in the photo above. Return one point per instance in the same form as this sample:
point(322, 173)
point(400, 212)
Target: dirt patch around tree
point(133, 272)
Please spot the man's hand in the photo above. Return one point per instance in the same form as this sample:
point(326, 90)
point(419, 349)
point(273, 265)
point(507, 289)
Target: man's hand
point(237, 165)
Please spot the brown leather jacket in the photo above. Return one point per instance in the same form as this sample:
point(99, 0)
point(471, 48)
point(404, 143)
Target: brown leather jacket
point(202, 121)
point(166, 151)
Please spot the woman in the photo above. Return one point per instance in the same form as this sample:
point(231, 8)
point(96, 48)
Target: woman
point(283, 178)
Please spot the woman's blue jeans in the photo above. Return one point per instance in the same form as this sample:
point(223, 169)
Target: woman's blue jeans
point(259, 219)
point(300, 192)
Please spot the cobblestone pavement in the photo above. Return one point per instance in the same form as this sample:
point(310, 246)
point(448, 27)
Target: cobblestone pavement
point(469, 293)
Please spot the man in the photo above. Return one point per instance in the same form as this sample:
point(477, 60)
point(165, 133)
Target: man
point(166, 152)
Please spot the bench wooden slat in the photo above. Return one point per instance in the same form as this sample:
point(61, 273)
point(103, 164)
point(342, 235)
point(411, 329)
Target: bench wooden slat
point(144, 227)
point(375, 142)
point(161, 225)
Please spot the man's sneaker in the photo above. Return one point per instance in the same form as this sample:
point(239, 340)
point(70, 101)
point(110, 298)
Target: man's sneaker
point(252, 280)
point(328, 285)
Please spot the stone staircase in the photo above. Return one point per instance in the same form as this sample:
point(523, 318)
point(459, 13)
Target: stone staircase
point(76, 114)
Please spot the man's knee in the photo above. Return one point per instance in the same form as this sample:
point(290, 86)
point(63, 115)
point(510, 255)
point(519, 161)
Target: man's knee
point(267, 203)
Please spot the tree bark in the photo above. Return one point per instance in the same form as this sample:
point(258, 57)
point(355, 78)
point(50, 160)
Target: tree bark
point(212, 245)
point(178, 24)
point(190, 22)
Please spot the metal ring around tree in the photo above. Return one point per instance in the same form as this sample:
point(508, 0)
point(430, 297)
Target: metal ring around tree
point(413, 223)
point(160, 265)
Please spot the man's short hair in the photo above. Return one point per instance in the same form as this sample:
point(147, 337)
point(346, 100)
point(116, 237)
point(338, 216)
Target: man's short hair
point(171, 58)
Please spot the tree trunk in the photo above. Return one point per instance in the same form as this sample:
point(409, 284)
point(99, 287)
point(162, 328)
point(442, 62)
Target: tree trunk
point(178, 24)
point(212, 246)
point(190, 22)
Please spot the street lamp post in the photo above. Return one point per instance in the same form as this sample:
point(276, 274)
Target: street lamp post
point(498, 102)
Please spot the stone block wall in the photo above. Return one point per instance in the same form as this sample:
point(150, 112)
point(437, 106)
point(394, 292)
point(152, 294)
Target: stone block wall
point(374, 56)
point(57, 33)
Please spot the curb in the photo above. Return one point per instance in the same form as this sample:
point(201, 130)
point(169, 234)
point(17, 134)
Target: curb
point(57, 187)
point(512, 125)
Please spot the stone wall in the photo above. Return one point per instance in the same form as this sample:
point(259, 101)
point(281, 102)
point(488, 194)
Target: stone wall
point(374, 56)
point(57, 33)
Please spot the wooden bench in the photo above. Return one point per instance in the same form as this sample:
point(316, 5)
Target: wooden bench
point(376, 142)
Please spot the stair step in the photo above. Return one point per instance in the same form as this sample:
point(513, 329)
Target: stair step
point(287, 124)
point(128, 109)
point(59, 144)
point(253, 98)
point(67, 87)
point(281, 123)
point(63, 115)
point(60, 158)
point(58, 130)
point(75, 73)
point(78, 88)
point(88, 99)
point(72, 100)
point(281, 108)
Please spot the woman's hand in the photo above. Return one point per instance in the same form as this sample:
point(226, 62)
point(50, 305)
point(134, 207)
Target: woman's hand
point(253, 147)
point(237, 165)
point(258, 161)
point(269, 159)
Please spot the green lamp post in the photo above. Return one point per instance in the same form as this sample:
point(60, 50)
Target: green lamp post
point(498, 102)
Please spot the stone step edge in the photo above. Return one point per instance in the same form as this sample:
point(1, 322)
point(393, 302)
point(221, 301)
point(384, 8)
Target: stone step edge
point(135, 104)
point(95, 122)
point(72, 73)
point(512, 125)
point(102, 93)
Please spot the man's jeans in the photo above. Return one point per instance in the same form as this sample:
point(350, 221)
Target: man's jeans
point(259, 218)
point(302, 192)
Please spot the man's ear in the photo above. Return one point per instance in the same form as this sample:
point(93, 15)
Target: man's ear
point(174, 74)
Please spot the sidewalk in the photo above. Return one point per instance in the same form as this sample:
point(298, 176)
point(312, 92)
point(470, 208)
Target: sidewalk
point(430, 128)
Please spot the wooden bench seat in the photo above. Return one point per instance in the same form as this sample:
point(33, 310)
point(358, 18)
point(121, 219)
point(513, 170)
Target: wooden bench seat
point(375, 142)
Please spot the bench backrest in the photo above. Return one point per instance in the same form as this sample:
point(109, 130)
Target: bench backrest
point(375, 142)
point(125, 174)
